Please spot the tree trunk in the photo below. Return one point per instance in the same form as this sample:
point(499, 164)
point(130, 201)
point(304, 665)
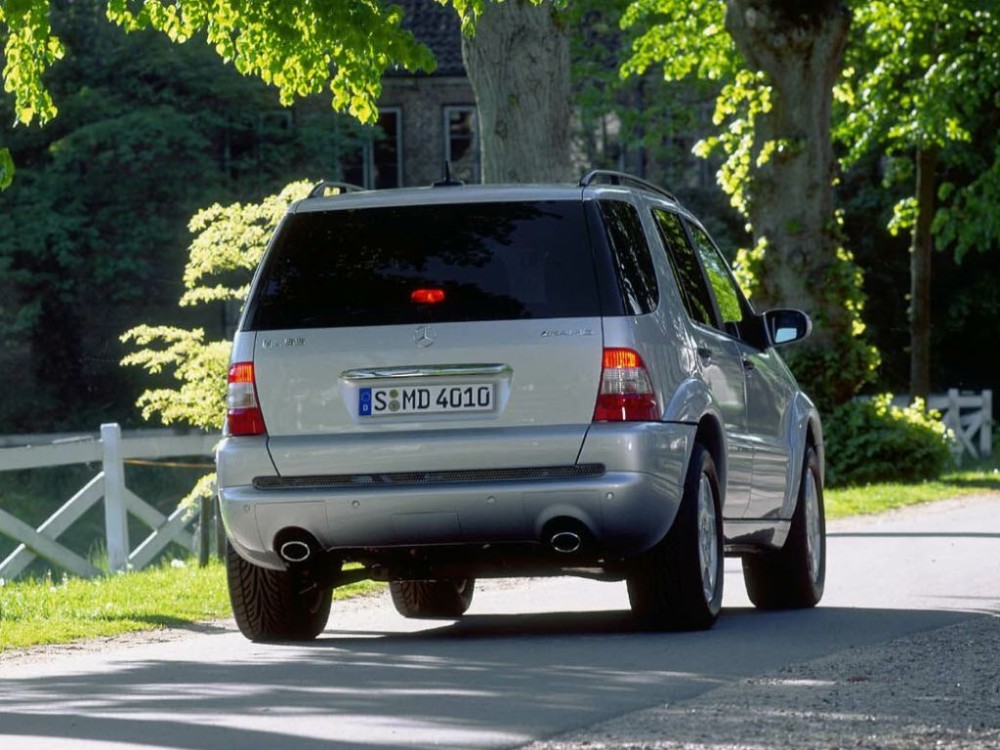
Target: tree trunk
point(800, 47)
point(518, 63)
point(791, 202)
point(920, 276)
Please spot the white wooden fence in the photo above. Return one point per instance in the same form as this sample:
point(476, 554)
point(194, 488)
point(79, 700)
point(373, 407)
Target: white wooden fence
point(111, 451)
point(970, 417)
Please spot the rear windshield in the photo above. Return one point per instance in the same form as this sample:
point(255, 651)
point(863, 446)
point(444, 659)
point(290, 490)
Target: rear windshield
point(438, 263)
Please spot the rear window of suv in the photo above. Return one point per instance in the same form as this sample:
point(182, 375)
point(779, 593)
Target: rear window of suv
point(429, 263)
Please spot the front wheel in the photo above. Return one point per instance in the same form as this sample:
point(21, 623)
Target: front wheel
point(793, 577)
point(445, 599)
point(273, 605)
point(677, 585)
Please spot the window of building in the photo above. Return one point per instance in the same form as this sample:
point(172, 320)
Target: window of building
point(379, 163)
point(461, 142)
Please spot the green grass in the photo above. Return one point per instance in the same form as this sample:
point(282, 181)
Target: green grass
point(878, 498)
point(45, 611)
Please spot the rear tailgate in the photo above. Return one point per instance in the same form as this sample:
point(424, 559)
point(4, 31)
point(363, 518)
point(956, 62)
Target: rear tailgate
point(494, 394)
point(427, 337)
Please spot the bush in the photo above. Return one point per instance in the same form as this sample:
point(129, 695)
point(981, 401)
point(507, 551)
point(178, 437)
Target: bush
point(873, 441)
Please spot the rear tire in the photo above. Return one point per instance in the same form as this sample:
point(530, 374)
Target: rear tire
point(448, 599)
point(269, 605)
point(677, 585)
point(793, 577)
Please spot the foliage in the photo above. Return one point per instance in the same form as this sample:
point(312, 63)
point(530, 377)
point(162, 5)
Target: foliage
point(685, 42)
point(833, 375)
point(688, 46)
point(229, 242)
point(922, 76)
point(642, 123)
point(29, 49)
point(95, 226)
point(346, 46)
point(872, 440)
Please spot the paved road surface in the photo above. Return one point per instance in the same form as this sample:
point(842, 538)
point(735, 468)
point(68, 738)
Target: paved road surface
point(528, 662)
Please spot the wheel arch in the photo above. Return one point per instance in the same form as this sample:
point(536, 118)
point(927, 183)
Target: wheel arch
point(710, 434)
point(805, 429)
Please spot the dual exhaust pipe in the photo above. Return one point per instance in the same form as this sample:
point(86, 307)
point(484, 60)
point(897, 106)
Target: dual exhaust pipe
point(565, 537)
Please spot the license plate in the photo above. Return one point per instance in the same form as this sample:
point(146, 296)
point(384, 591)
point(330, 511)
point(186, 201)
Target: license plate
point(425, 399)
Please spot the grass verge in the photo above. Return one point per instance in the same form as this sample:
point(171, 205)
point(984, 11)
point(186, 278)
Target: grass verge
point(878, 498)
point(44, 611)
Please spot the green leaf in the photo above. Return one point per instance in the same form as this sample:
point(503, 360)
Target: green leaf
point(6, 168)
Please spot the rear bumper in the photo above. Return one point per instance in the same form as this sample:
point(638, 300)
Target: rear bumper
point(625, 509)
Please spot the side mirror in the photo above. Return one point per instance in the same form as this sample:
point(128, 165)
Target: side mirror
point(785, 326)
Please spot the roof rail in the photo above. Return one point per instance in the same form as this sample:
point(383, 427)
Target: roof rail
point(320, 188)
point(610, 177)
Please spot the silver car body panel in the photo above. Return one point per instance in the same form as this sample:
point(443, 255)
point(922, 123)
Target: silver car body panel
point(310, 396)
point(627, 508)
point(546, 374)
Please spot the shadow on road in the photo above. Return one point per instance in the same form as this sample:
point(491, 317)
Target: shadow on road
point(486, 681)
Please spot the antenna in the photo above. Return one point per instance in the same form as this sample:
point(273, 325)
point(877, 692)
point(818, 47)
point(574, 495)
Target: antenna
point(448, 181)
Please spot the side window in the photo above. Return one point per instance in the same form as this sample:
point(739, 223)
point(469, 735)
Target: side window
point(727, 294)
point(686, 268)
point(634, 264)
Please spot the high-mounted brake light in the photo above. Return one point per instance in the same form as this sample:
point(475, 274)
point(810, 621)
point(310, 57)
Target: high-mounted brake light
point(427, 296)
point(626, 393)
point(243, 415)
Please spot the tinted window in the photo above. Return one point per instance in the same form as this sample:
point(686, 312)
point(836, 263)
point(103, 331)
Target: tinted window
point(687, 270)
point(634, 265)
point(439, 263)
point(727, 294)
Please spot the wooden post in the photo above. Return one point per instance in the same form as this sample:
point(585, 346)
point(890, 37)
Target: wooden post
point(204, 530)
point(220, 526)
point(115, 512)
point(986, 428)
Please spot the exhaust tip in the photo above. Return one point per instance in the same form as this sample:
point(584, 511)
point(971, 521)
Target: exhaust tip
point(566, 542)
point(295, 551)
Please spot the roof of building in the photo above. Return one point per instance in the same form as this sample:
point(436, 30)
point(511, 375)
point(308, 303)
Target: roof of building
point(439, 28)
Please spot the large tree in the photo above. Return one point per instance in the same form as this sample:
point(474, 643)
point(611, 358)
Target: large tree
point(519, 65)
point(343, 47)
point(519, 68)
point(923, 92)
point(778, 61)
point(94, 226)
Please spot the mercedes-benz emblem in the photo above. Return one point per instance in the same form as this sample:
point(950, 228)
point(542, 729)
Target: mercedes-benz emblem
point(423, 337)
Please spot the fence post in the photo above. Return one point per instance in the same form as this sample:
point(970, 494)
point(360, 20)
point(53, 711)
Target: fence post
point(986, 428)
point(204, 530)
point(220, 530)
point(115, 512)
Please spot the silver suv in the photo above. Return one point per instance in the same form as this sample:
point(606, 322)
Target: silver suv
point(434, 385)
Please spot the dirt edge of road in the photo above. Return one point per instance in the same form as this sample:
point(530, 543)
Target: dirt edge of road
point(936, 689)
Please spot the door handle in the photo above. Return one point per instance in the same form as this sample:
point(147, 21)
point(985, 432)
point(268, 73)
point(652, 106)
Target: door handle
point(705, 353)
point(748, 364)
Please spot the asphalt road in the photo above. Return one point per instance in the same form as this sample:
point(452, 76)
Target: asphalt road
point(529, 662)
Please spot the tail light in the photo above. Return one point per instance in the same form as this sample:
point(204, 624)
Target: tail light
point(243, 415)
point(626, 393)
